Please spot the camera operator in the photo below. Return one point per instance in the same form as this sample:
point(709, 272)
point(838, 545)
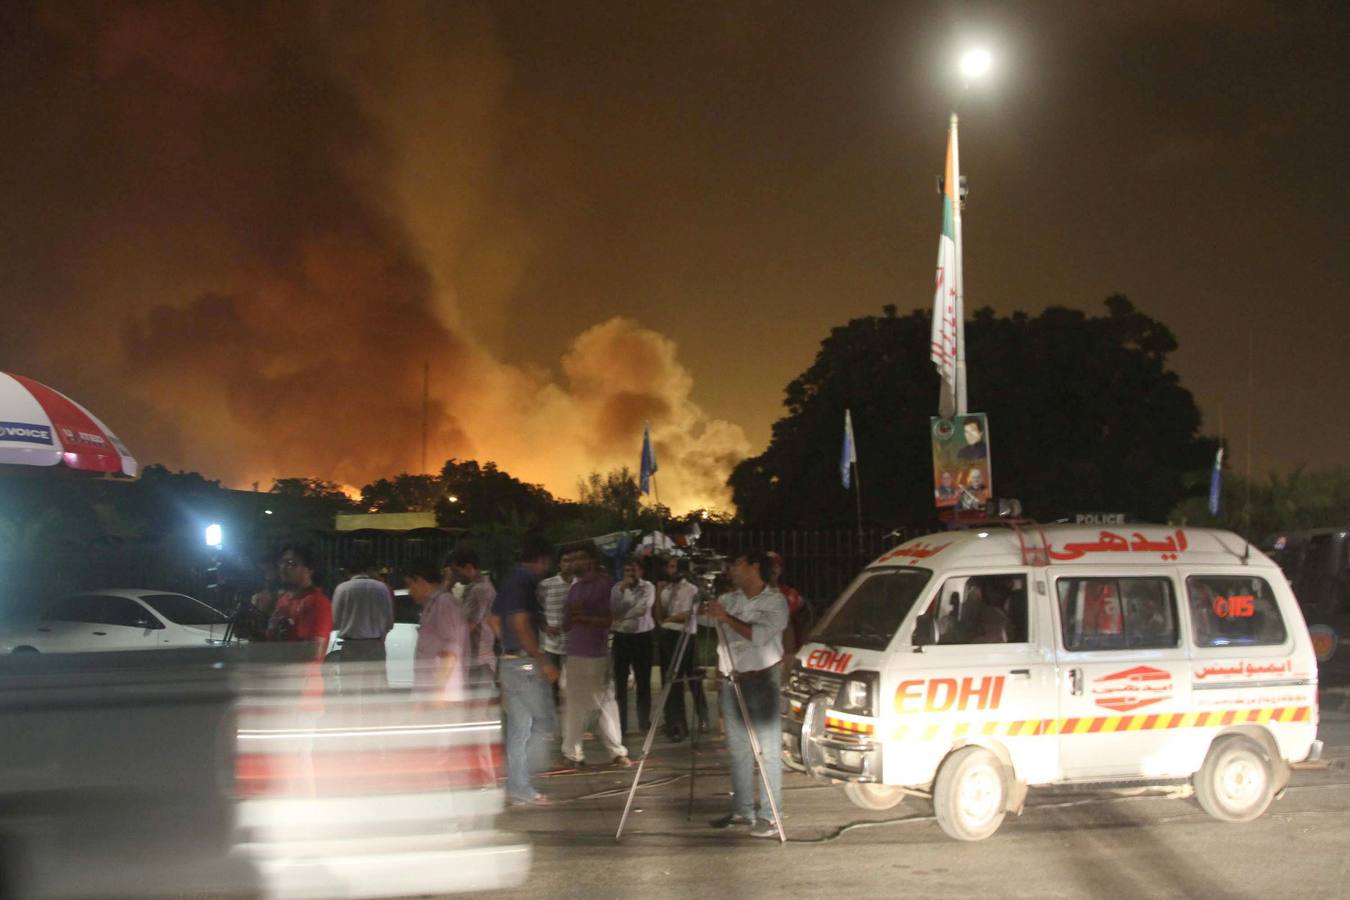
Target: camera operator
point(674, 606)
point(303, 612)
point(750, 622)
point(251, 616)
point(633, 631)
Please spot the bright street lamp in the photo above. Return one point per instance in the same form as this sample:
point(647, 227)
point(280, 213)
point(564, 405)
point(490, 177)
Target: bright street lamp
point(976, 62)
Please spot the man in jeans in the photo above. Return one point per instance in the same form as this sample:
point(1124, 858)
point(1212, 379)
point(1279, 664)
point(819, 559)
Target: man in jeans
point(750, 622)
point(526, 674)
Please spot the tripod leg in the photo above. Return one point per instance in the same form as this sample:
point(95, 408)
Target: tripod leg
point(759, 755)
point(693, 747)
point(651, 731)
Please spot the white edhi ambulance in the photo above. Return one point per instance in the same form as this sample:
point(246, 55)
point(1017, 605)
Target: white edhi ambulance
point(968, 665)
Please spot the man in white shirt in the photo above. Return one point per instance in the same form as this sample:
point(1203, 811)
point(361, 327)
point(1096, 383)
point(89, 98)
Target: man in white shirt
point(631, 601)
point(552, 600)
point(750, 622)
point(675, 605)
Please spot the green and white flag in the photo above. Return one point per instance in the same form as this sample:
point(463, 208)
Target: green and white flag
point(943, 352)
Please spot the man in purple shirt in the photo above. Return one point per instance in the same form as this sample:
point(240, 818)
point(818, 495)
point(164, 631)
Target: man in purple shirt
point(587, 617)
point(441, 656)
point(479, 595)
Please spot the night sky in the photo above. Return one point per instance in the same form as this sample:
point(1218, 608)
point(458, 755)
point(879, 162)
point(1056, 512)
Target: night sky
point(238, 234)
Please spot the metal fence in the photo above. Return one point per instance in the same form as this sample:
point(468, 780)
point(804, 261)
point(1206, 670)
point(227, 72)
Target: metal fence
point(387, 548)
point(819, 563)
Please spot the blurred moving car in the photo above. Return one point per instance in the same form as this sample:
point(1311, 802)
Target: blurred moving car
point(367, 793)
point(116, 775)
point(235, 772)
point(118, 619)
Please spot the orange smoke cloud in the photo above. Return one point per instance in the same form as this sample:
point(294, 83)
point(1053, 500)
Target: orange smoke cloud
point(282, 214)
point(294, 378)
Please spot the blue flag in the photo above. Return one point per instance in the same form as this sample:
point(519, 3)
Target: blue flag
point(1216, 483)
point(849, 457)
point(648, 467)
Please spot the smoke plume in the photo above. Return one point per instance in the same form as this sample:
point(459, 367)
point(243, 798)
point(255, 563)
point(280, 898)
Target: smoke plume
point(251, 231)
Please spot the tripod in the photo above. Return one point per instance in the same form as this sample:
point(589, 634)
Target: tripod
point(686, 638)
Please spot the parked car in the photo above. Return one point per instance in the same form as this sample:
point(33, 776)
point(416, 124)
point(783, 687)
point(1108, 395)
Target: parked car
point(118, 619)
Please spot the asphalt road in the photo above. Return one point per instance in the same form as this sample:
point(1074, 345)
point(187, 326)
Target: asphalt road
point(1065, 844)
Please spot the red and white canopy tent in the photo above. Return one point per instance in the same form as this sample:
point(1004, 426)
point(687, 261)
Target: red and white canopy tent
point(40, 426)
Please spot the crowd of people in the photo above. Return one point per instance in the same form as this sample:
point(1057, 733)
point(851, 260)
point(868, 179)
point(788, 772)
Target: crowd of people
point(561, 643)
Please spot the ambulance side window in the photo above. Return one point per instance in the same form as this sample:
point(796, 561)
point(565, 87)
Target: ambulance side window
point(1234, 610)
point(1117, 613)
point(983, 609)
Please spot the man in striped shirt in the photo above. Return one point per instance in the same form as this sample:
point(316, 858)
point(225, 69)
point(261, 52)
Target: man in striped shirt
point(552, 597)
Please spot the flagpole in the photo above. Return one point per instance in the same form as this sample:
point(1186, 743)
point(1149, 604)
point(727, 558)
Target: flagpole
point(660, 511)
point(1251, 381)
point(857, 490)
point(960, 277)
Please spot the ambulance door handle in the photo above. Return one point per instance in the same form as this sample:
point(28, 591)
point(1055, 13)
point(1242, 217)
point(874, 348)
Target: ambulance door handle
point(1076, 682)
point(1025, 673)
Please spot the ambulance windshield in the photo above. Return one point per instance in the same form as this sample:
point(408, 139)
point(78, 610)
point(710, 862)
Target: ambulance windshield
point(873, 608)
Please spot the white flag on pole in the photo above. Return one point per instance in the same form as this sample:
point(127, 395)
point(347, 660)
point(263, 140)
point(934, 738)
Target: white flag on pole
point(943, 352)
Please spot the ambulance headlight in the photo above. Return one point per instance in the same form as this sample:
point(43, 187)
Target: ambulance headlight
point(856, 696)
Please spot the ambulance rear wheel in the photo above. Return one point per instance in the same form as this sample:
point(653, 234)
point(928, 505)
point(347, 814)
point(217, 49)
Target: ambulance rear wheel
point(970, 794)
point(874, 796)
point(1236, 783)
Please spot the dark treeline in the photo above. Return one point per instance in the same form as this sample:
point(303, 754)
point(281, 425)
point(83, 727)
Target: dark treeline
point(1085, 415)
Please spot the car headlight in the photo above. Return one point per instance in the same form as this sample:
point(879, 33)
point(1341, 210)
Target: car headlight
point(857, 696)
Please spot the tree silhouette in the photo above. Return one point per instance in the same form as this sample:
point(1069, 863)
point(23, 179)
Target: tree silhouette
point(1302, 499)
point(485, 493)
point(403, 493)
point(1084, 414)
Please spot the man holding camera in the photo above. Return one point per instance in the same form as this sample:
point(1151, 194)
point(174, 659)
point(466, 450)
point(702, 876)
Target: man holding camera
point(750, 622)
point(632, 631)
point(676, 603)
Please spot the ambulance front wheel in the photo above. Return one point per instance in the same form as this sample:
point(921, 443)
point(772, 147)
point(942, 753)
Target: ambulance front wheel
point(874, 796)
point(970, 794)
point(1236, 783)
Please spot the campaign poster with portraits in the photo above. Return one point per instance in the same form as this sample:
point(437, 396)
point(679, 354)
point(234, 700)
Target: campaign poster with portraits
point(962, 477)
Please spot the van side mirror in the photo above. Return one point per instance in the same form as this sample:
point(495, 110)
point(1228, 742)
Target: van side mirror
point(925, 632)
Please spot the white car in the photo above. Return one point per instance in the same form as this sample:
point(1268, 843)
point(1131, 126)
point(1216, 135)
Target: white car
point(118, 619)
